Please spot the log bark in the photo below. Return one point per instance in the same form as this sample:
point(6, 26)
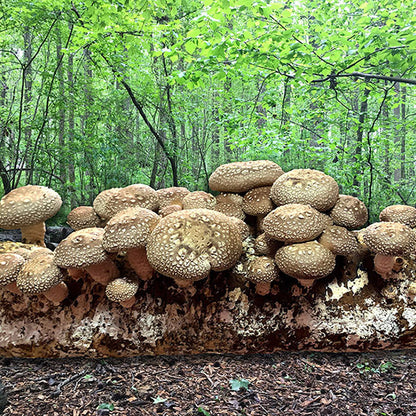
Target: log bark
point(354, 309)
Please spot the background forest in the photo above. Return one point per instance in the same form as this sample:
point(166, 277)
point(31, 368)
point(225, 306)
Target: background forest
point(97, 94)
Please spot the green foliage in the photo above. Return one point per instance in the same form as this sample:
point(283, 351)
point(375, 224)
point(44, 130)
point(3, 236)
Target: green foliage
point(106, 406)
point(237, 384)
point(366, 367)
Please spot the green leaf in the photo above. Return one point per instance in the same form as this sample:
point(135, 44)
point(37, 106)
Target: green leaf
point(158, 399)
point(106, 406)
point(203, 411)
point(237, 384)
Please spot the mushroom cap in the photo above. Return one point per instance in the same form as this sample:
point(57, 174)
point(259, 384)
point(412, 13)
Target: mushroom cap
point(242, 227)
point(405, 214)
point(243, 176)
point(165, 211)
point(229, 197)
point(262, 269)
point(305, 261)
point(101, 201)
point(81, 249)
point(389, 238)
point(230, 209)
point(10, 265)
point(305, 186)
point(39, 274)
point(199, 199)
point(265, 246)
point(257, 201)
point(83, 217)
point(27, 205)
point(171, 196)
point(129, 228)
point(349, 212)
point(294, 223)
point(339, 240)
point(121, 289)
point(188, 244)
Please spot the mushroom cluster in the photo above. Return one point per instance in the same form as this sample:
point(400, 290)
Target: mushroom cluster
point(264, 224)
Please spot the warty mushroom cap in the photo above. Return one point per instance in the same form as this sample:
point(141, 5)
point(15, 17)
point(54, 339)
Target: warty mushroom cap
point(121, 289)
point(243, 176)
point(266, 246)
point(389, 238)
point(171, 196)
point(229, 197)
point(165, 211)
point(10, 265)
point(257, 201)
point(294, 223)
point(230, 209)
point(339, 240)
point(262, 269)
point(405, 214)
point(305, 261)
point(188, 244)
point(305, 186)
point(128, 229)
point(349, 212)
point(39, 274)
point(242, 227)
point(83, 217)
point(198, 199)
point(101, 201)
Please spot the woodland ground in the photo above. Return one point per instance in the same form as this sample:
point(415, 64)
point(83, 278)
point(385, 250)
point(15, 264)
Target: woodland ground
point(380, 383)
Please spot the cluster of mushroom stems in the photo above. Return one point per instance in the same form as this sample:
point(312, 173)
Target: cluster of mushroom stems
point(263, 224)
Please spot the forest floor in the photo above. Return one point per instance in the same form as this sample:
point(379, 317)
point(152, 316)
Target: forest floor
point(283, 383)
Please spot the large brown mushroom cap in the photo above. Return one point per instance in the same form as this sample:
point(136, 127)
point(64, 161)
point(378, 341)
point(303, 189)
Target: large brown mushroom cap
point(243, 176)
point(198, 199)
point(39, 274)
point(294, 223)
point(165, 211)
point(257, 201)
point(121, 289)
point(339, 240)
point(10, 265)
point(101, 201)
point(186, 245)
point(405, 214)
point(305, 261)
point(229, 197)
point(305, 186)
point(389, 238)
point(171, 196)
point(83, 217)
point(230, 209)
point(349, 212)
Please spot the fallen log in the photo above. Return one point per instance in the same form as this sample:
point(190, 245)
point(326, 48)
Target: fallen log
point(353, 309)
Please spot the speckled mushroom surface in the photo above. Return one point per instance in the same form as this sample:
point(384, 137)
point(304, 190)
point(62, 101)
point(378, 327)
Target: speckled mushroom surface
point(10, 265)
point(305, 186)
point(405, 214)
point(389, 238)
point(171, 196)
point(294, 223)
point(101, 201)
point(257, 201)
point(236, 199)
point(188, 244)
point(262, 269)
point(305, 261)
point(243, 176)
point(349, 212)
point(230, 209)
point(83, 217)
point(199, 199)
point(339, 240)
point(121, 289)
point(165, 211)
point(39, 274)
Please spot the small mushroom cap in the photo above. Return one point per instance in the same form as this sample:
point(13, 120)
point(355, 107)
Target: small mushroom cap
point(83, 217)
point(188, 244)
point(257, 201)
point(101, 201)
point(389, 238)
point(242, 227)
point(171, 196)
point(230, 209)
point(349, 212)
point(121, 289)
point(128, 229)
point(10, 265)
point(405, 214)
point(305, 261)
point(262, 269)
point(229, 197)
point(198, 199)
point(39, 274)
point(294, 223)
point(165, 211)
point(28, 205)
point(243, 176)
point(305, 186)
point(339, 240)
point(81, 249)
point(265, 246)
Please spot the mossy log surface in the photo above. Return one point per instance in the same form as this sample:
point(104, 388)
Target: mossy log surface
point(351, 310)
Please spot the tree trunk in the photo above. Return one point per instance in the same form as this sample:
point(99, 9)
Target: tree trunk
point(351, 310)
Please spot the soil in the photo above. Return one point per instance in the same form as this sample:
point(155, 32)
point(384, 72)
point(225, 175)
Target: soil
point(308, 383)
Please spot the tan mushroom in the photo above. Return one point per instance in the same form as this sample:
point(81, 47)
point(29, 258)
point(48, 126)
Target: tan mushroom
point(243, 176)
point(305, 186)
point(262, 271)
point(349, 212)
point(10, 265)
point(28, 208)
point(83, 249)
point(122, 290)
point(187, 245)
point(129, 231)
point(229, 197)
point(257, 202)
point(171, 196)
point(198, 199)
point(266, 246)
point(83, 217)
point(340, 241)
point(230, 209)
point(306, 262)
point(242, 227)
point(165, 211)
point(404, 214)
point(101, 201)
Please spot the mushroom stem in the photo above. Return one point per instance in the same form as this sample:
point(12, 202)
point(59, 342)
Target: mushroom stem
point(56, 294)
point(104, 272)
point(137, 259)
point(128, 303)
point(34, 234)
point(12, 287)
point(263, 288)
point(75, 273)
point(306, 283)
point(383, 265)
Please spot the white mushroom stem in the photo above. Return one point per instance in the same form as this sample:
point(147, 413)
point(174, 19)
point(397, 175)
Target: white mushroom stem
point(34, 234)
point(263, 288)
point(12, 287)
point(137, 259)
point(56, 294)
point(383, 265)
point(128, 303)
point(104, 272)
